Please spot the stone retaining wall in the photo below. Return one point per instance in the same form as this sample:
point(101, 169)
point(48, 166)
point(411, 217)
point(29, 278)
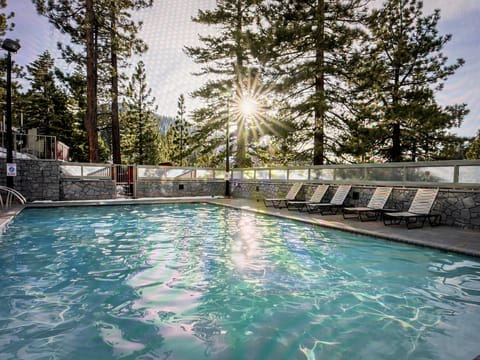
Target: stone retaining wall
point(72, 189)
point(179, 188)
point(36, 179)
point(457, 207)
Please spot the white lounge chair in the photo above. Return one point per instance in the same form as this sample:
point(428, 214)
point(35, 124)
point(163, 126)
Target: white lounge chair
point(291, 195)
point(316, 198)
point(418, 212)
point(334, 204)
point(374, 207)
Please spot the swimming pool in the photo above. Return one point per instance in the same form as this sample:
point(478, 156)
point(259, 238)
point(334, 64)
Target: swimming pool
point(195, 281)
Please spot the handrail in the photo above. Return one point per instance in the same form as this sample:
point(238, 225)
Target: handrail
point(11, 193)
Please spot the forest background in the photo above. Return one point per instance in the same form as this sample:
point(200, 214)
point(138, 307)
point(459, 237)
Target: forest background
point(330, 81)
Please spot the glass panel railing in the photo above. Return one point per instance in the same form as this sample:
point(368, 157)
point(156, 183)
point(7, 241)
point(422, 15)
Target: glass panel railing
point(349, 174)
point(150, 172)
point(322, 174)
point(262, 174)
point(96, 171)
point(278, 174)
point(298, 174)
point(179, 173)
point(219, 174)
point(385, 174)
point(433, 174)
point(204, 174)
point(469, 174)
point(86, 171)
point(237, 174)
point(71, 170)
point(248, 174)
point(448, 172)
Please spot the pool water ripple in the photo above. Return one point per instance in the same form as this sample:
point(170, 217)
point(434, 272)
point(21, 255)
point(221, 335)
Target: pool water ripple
point(198, 281)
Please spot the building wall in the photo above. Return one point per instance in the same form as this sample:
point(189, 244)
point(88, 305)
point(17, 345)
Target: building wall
point(457, 207)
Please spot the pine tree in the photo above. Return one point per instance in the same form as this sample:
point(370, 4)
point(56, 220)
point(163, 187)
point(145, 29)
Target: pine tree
point(77, 19)
point(473, 151)
point(398, 74)
point(140, 135)
point(228, 56)
point(119, 33)
point(180, 132)
point(7, 25)
point(107, 35)
point(308, 43)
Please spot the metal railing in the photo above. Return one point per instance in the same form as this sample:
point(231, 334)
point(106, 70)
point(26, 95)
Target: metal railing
point(145, 172)
point(461, 173)
point(42, 147)
point(86, 171)
point(10, 195)
point(142, 172)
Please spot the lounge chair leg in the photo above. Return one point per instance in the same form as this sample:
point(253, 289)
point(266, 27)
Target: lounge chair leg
point(417, 221)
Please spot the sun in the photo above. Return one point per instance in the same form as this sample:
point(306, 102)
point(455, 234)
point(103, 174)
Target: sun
point(248, 106)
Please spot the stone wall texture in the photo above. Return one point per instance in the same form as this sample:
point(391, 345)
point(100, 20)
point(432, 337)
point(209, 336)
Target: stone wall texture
point(457, 207)
point(179, 188)
point(87, 189)
point(36, 179)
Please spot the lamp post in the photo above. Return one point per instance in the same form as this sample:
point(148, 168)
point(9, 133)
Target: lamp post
point(227, 153)
point(11, 46)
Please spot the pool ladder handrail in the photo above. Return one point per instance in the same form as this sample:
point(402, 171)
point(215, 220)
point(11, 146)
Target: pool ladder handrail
point(11, 194)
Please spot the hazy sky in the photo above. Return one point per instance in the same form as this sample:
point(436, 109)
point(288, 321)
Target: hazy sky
point(168, 27)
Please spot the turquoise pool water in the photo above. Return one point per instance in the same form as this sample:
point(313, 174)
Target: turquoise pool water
point(205, 282)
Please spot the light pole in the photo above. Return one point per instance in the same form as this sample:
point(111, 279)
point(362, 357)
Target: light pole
point(11, 46)
point(227, 153)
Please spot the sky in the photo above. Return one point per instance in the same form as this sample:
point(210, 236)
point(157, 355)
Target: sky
point(168, 28)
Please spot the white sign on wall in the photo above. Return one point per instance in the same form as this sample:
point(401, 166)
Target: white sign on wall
point(11, 169)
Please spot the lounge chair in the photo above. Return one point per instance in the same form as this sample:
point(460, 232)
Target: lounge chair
point(316, 198)
point(334, 204)
point(291, 195)
point(374, 207)
point(418, 212)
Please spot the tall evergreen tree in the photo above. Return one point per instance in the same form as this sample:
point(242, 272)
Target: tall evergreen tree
point(106, 35)
point(6, 25)
point(180, 131)
point(228, 56)
point(49, 107)
point(398, 74)
point(473, 150)
point(119, 32)
point(5, 18)
point(307, 52)
point(76, 18)
point(140, 135)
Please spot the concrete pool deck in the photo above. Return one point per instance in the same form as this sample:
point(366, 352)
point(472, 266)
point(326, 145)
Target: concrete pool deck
point(441, 237)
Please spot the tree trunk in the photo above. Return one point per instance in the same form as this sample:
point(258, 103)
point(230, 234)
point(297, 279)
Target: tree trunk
point(396, 148)
point(91, 111)
point(117, 156)
point(240, 155)
point(319, 136)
